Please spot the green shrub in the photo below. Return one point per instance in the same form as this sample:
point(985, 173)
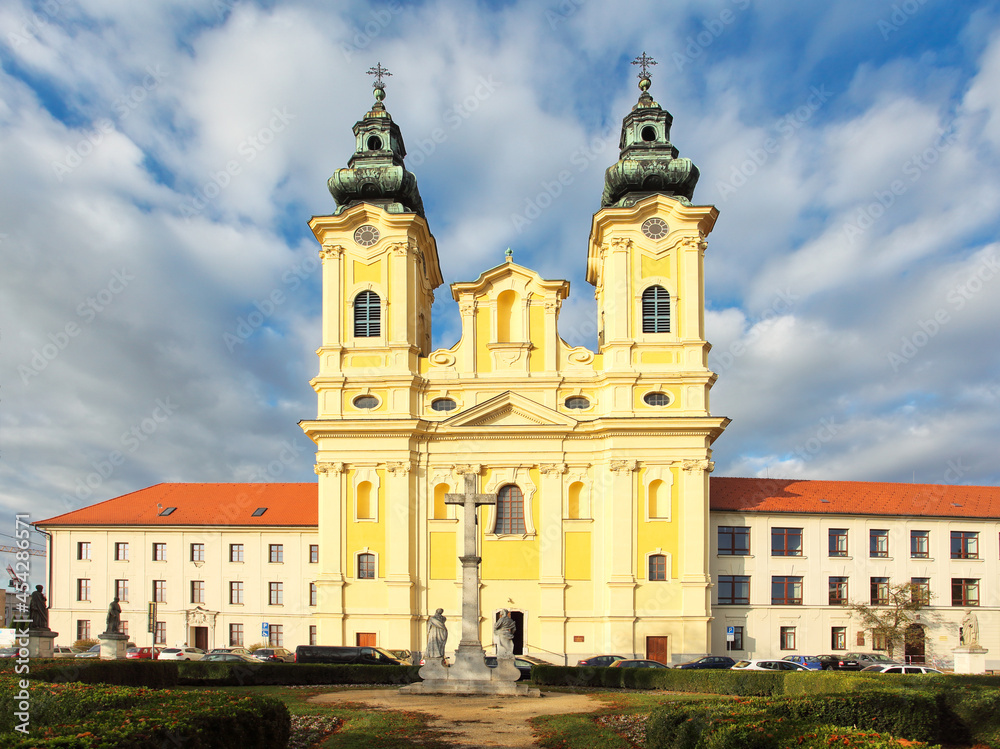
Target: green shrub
point(706, 681)
point(228, 673)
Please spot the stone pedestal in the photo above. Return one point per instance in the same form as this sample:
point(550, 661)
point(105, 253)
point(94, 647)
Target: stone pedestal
point(113, 646)
point(470, 675)
point(970, 660)
point(40, 643)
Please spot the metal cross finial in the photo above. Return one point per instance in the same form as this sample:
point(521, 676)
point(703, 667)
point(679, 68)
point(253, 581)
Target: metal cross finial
point(644, 61)
point(378, 71)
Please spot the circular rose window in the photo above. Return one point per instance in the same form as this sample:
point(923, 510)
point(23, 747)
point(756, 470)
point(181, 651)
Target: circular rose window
point(654, 228)
point(366, 235)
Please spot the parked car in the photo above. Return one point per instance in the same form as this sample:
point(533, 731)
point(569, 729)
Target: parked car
point(838, 663)
point(236, 649)
point(523, 663)
point(345, 654)
point(61, 651)
point(812, 662)
point(886, 668)
point(403, 656)
point(229, 658)
point(764, 664)
point(143, 653)
point(709, 661)
point(871, 659)
point(637, 663)
point(600, 661)
point(94, 652)
point(274, 655)
point(8, 652)
point(181, 654)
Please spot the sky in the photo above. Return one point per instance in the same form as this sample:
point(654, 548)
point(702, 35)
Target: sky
point(160, 161)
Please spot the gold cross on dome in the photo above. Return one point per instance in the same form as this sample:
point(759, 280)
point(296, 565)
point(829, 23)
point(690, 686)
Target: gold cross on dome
point(378, 71)
point(644, 61)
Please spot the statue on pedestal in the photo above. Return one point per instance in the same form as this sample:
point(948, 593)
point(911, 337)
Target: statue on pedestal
point(503, 635)
point(968, 633)
point(437, 635)
point(114, 621)
point(38, 610)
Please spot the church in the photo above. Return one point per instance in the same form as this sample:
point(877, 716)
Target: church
point(605, 533)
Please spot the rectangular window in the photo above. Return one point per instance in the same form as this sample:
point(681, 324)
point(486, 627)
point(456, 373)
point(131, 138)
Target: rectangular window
point(788, 638)
point(83, 552)
point(83, 589)
point(734, 590)
point(312, 634)
point(83, 629)
point(313, 594)
point(786, 591)
point(197, 591)
point(786, 542)
point(121, 551)
point(236, 634)
point(880, 591)
point(276, 637)
point(734, 541)
point(160, 633)
point(123, 626)
point(236, 592)
point(880, 641)
point(878, 543)
point(838, 542)
point(657, 566)
point(964, 545)
point(121, 589)
point(838, 591)
point(313, 553)
point(277, 593)
point(235, 552)
point(197, 552)
point(838, 638)
point(964, 592)
point(366, 566)
point(919, 544)
point(920, 590)
point(276, 553)
point(160, 591)
point(159, 552)
point(737, 642)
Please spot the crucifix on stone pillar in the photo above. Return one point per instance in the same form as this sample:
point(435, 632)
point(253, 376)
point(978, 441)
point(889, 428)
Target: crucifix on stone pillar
point(470, 561)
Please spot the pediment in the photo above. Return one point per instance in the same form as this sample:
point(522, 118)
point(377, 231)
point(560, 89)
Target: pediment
point(510, 410)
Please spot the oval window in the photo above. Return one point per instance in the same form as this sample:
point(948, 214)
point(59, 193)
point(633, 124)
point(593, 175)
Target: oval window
point(577, 401)
point(656, 399)
point(366, 402)
point(444, 404)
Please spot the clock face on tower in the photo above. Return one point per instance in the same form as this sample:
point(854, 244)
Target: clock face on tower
point(655, 228)
point(366, 235)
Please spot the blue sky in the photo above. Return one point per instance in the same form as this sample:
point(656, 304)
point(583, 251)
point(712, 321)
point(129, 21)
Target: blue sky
point(161, 161)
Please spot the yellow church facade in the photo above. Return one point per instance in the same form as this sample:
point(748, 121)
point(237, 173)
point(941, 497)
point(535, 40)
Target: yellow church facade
point(599, 459)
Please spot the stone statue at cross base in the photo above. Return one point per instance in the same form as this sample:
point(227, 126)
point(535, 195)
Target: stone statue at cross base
point(114, 621)
point(969, 631)
point(503, 635)
point(38, 609)
point(437, 635)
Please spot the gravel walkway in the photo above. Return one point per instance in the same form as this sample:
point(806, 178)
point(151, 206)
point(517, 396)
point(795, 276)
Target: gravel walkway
point(472, 722)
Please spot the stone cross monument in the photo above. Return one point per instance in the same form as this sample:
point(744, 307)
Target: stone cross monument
point(470, 674)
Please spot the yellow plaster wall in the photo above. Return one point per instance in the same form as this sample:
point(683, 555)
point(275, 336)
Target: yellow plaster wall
point(651, 267)
point(639, 392)
point(443, 556)
point(368, 534)
point(656, 357)
point(371, 273)
point(580, 598)
point(577, 546)
point(483, 362)
point(536, 334)
point(657, 534)
point(350, 395)
point(509, 559)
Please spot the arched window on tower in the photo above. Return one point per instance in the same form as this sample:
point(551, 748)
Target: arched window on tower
point(510, 510)
point(367, 314)
point(655, 310)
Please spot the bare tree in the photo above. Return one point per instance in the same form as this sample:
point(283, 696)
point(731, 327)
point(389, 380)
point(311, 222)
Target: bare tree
point(890, 617)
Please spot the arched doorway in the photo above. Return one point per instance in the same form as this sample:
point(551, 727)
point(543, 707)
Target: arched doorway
point(914, 644)
point(518, 617)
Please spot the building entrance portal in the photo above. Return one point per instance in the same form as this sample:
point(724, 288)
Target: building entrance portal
point(199, 637)
point(915, 644)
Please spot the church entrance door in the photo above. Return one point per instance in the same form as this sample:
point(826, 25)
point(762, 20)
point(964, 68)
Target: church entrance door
point(657, 650)
point(200, 637)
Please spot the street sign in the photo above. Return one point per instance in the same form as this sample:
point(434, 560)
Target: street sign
point(265, 630)
point(151, 624)
point(730, 634)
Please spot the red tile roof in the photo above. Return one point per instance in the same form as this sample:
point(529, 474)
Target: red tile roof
point(202, 504)
point(853, 498)
point(296, 504)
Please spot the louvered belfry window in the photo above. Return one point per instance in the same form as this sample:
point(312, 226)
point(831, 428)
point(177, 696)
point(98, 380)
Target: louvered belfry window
point(367, 314)
point(655, 310)
point(510, 510)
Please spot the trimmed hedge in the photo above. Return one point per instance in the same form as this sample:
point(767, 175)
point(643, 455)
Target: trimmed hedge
point(129, 673)
point(706, 681)
point(231, 674)
point(87, 716)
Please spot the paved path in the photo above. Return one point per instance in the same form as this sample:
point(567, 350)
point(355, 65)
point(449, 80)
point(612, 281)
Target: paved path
point(472, 721)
